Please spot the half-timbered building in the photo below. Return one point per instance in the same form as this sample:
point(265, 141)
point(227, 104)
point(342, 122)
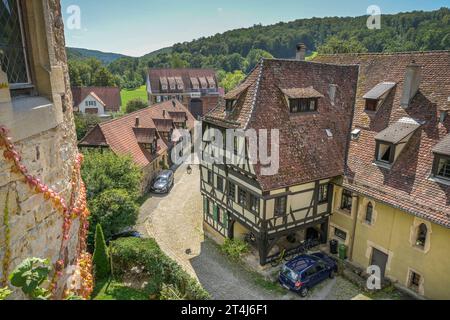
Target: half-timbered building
point(306, 103)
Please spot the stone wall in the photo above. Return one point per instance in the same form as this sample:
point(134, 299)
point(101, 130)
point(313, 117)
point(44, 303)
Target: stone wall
point(36, 228)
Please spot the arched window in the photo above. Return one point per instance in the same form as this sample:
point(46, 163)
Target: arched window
point(422, 235)
point(369, 213)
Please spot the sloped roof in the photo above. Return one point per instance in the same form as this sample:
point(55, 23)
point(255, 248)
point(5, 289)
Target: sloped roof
point(406, 185)
point(188, 77)
point(306, 152)
point(302, 93)
point(379, 90)
point(443, 147)
point(121, 135)
point(396, 132)
point(109, 96)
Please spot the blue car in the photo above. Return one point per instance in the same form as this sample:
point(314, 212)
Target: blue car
point(306, 271)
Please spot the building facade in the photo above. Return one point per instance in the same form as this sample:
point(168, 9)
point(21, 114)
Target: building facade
point(146, 135)
point(305, 102)
point(392, 206)
point(100, 101)
point(36, 108)
point(196, 89)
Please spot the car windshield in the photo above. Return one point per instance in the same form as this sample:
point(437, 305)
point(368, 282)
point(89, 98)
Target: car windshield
point(161, 180)
point(288, 273)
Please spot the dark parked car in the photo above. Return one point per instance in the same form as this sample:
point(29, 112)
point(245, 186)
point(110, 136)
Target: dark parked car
point(163, 182)
point(306, 271)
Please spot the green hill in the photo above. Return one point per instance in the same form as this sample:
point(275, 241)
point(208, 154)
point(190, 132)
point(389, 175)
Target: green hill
point(104, 57)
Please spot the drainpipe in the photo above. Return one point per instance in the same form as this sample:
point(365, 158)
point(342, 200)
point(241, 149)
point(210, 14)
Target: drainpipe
point(355, 209)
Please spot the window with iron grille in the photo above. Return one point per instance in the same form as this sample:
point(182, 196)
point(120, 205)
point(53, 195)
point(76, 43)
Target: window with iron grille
point(338, 233)
point(414, 281)
point(232, 191)
point(323, 193)
point(443, 167)
point(220, 184)
point(13, 58)
point(346, 203)
point(280, 206)
point(369, 213)
point(242, 197)
point(303, 105)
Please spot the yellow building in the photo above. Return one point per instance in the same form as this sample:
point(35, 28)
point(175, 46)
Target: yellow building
point(392, 207)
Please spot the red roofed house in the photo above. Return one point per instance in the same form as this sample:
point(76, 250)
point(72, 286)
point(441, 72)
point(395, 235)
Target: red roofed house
point(197, 89)
point(101, 101)
point(145, 135)
point(307, 104)
point(364, 159)
point(392, 208)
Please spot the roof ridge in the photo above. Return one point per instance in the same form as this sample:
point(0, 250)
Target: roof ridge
point(384, 53)
point(255, 95)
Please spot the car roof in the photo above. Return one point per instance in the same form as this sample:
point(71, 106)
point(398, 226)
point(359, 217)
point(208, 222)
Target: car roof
point(302, 262)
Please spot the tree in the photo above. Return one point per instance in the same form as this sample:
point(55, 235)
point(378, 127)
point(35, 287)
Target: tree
point(104, 171)
point(254, 56)
point(115, 210)
point(83, 123)
point(135, 105)
point(230, 80)
point(102, 266)
point(335, 45)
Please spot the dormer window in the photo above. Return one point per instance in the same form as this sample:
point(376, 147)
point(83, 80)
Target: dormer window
point(303, 105)
point(375, 97)
point(371, 104)
point(391, 141)
point(441, 167)
point(230, 104)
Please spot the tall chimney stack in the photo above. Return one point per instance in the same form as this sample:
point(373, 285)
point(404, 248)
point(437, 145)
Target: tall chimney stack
point(301, 52)
point(137, 122)
point(411, 85)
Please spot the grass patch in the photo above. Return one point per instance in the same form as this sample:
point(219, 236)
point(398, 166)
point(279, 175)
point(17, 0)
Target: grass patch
point(128, 95)
point(312, 56)
point(113, 290)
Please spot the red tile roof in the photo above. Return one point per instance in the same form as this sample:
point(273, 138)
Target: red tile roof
point(189, 77)
point(109, 96)
point(120, 136)
point(407, 184)
point(306, 152)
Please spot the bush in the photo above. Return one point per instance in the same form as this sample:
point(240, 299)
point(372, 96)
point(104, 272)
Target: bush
point(115, 210)
point(135, 105)
point(84, 123)
point(234, 248)
point(161, 271)
point(102, 266)
point(105, 171)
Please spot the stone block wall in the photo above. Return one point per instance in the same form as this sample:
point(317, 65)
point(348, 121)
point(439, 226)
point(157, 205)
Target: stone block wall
point(36, 227)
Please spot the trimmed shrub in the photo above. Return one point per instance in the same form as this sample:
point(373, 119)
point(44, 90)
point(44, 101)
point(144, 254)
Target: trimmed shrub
point(234, 248)
point(101, 260)
point(159, 269)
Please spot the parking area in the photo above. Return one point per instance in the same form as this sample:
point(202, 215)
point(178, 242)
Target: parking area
point(175, 221)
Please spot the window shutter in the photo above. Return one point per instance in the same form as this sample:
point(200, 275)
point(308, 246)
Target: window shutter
point(225, 220)
point(215, 214)
point(205, 204)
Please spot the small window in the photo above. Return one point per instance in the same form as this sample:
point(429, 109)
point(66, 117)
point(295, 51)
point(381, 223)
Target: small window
point(280, 206)
point(13, 59)
point(220, 184)
point(242, 197)
point(338, 233)
point(422, 236)
point(254, 203)
point(442, 167)
point(230, 104)
point(303, 105)
point(207, 206)
point(232, 191)
point(385, 152)
point(323, 193)
point(346, 202)
point(369, 213)
point(414, 281)
point(210, 177)
point(371, 105)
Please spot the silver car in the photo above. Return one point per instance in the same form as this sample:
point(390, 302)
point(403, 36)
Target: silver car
point(163, 182)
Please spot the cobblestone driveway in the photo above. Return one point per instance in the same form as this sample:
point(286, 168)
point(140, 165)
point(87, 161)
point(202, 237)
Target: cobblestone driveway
point(175, 221)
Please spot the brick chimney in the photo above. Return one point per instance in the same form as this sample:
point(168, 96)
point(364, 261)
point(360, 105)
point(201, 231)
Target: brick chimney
point(411, 85)
point(301, 52)
point(137, 122)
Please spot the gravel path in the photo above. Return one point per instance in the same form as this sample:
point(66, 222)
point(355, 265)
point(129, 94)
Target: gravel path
point(175, 221)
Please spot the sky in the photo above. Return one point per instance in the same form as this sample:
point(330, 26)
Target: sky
point(137, 27)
